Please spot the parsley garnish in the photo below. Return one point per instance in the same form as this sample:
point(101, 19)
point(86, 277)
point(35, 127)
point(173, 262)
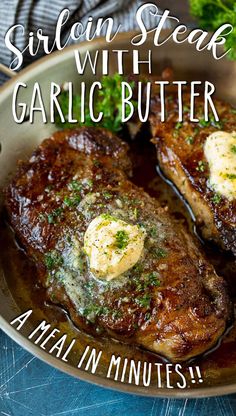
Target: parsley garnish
point(216, 198)
point(52, 260)
point(212, 14)
point(233, 148)
point(122, 239)
point(230, 175)
point(144, 301)
point(201, 166)
point(189, 139)
point(75, 186)
point(160, 253)
point(52, 217)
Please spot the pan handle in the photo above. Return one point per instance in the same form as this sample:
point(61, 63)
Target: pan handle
point(5, 70)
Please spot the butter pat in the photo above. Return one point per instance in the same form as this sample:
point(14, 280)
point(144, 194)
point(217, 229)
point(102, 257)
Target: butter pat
point(113, 246)
point(220, 152)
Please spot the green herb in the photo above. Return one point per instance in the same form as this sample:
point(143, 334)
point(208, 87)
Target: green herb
point(75, 186)
point(52, 260)
point(97, 163)
point(233, 148)
point(230, 175)
point(138, 268)
point(216, 198)
point(116, 314)
point(201, 166)
point(42, 217)
point(233, 110)
point(122, 239)
point(153, 279)
point(189, 139)
point(108, 217)
point(177, 128)
point(70, 202)
point(204, 123)
point(214, 13)
point(52, 217)
point(170, 98)
point(135, 213)
point(89, 183)
point(108, 101)
point(147, 316)
point(153, 232)
point(107, 195)
point(144, 301)
point(95, 310)
point(160, 253)
point(211, 122)
point(186, 109)
point(178, 125)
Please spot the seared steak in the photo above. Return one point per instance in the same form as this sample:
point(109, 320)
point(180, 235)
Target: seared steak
point(170, 302)
point(180, 150)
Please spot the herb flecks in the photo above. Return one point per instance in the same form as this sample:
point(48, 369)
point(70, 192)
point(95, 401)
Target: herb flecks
point(216, 199)
point(189, 140)
point(52, 217)
point(144, 301)
point(233, 148)
point(159, 253)
point(201, 166)
point(230, 176)
point(52, 260)
point(122, 239)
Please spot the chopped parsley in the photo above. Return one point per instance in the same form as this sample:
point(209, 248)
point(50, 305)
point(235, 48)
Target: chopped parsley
point(153, 280)
point(230, 175)
point(135, 213)
point(52, 217)
point(144, 301)
point(216, 198)
point(186, 109)
point(75, 186)
point(211, 122)
point(153, 232)
point(178, 125)
point(233, 148)
point(107, 195)
point(93, 310)
point(160, 253)
point(189, 139)
point(201, 166)
point(70, 202)
point(52, 260)
point(122, 239)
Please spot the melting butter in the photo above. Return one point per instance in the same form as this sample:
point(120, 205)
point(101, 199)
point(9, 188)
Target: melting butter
point(220, 152)
point(113, 246)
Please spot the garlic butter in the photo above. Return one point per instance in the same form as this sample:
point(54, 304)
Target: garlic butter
point(113, 246)
point(220, 152)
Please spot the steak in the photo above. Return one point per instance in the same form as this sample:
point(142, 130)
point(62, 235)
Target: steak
point(180, 151)
point(170, 302)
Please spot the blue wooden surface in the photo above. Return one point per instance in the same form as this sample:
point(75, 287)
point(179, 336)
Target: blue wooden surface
point(29, 387)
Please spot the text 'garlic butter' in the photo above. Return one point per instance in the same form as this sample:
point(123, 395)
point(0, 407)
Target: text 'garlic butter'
point(113, 246)
point(220, 152)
